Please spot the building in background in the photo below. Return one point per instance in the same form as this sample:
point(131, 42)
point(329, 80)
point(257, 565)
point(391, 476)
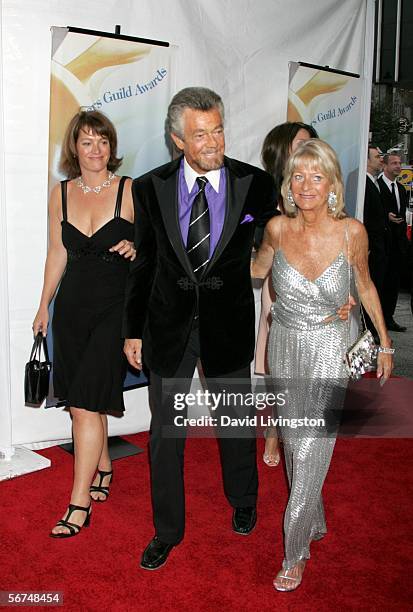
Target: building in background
point(392, 95)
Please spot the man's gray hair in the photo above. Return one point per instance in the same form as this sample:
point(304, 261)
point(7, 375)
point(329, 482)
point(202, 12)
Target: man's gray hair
point(196, 98)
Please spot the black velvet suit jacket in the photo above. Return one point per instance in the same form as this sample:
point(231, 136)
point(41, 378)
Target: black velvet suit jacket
point(163, 294)
point(376, 220)
point(398, 231)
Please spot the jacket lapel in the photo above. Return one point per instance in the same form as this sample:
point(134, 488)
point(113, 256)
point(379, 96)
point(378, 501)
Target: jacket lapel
point(388, 196)
point(237, 189)
point(166, 189)
point(402, 199)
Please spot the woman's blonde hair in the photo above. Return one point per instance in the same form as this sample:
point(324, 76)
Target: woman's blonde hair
point(317, 155)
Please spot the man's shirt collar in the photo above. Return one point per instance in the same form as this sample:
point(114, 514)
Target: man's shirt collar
point(213, 177)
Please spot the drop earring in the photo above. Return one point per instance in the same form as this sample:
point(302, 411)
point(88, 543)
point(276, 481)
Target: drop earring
point(332, 201)
point(290, 198)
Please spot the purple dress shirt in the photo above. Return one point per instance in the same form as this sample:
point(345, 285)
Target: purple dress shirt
point(216, 205)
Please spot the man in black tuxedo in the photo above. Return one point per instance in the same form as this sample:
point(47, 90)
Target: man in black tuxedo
point(377, 224)
point(190, 297)
point(395, 201)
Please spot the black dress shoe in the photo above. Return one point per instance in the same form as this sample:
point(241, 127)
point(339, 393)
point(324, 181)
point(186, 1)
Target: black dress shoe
point(244, 520)
point(155, 554)
point(393, 326)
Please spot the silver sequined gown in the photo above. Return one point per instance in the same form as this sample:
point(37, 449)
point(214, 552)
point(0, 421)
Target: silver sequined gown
point(305, 357)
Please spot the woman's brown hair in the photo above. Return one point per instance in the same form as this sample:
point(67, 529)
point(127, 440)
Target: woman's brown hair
point(88, 121)
point(276, 148)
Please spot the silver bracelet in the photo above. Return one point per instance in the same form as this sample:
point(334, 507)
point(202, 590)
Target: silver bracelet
point(386, 349)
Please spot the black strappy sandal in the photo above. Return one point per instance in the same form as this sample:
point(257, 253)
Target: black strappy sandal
point(73, 528)
point(98, 488)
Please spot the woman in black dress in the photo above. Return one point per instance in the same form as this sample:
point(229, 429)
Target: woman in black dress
point(90, 246)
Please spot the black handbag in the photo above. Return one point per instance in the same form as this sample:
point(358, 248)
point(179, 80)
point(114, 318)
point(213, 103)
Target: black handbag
point(37, 373)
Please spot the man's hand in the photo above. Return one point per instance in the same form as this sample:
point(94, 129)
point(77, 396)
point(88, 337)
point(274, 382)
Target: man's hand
point(126, 248)
point(395, 219)
point(133, 351)
point(344, 311)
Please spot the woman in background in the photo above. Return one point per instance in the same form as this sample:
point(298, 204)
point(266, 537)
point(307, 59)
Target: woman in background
point(278, 145)
point(90, 246)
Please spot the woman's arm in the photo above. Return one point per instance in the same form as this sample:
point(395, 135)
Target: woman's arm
point(261, 265)
point(368, 293)
point(55, 262)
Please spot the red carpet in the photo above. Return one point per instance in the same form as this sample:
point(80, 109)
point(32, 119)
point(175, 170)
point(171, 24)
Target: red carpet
point(364, 563)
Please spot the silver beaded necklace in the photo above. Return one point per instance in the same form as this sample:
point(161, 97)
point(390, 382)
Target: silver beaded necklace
point(98, 188)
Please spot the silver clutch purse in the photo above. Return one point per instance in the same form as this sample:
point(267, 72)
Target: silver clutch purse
point(361, 356)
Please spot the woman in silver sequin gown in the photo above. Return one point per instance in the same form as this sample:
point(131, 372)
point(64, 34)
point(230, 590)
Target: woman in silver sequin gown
point(278, 145)
point(309, 251)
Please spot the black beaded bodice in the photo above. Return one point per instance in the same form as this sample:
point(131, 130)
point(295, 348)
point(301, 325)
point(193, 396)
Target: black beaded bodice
point(83, 248)
point(79, 246)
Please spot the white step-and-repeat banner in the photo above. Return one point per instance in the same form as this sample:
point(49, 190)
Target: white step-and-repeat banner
point(240, 49)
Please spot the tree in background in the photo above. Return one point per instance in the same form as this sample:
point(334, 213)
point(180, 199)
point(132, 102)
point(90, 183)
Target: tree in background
point(384, 126)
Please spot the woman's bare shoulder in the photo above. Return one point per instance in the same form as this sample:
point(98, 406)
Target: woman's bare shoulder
point(55, 199)
point(274, 225)
point(355, 228)
point(128, 187)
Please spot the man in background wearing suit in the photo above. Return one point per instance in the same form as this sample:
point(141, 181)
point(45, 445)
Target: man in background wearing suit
point(395, 201)
point(190, 297)
point(377, 224)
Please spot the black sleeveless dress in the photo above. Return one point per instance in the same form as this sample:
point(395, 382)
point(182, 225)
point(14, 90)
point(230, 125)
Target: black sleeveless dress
point(88, 361)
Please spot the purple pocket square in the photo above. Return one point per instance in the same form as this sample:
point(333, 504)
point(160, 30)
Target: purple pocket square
point(247, 219)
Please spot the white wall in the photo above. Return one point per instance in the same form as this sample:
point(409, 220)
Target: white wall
point(239, 48)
